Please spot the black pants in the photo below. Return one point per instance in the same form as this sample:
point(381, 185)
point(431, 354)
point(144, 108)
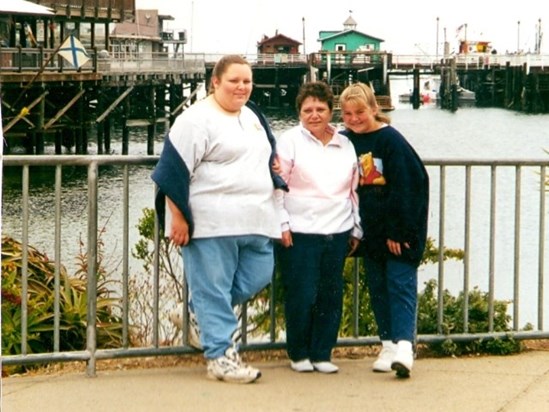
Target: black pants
point(312, 275)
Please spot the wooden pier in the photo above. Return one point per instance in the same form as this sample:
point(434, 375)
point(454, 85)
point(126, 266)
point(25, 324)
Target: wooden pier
point(60, 104)
point(134, 81)
point(518, 82)
point(53, 102)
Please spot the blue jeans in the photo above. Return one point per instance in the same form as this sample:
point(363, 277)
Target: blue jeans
point(393, 294)
point(311, 272)
point(223, 272)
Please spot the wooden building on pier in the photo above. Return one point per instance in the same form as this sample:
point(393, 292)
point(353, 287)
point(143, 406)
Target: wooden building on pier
point(347, 56)
point(45, 98)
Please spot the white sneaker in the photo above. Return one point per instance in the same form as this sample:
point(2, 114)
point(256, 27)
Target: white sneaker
point(230, 368)
point(403, 360)
point(385, 357)
point(325, 367)
point(304, 365)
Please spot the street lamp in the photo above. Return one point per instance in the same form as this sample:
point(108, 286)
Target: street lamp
point(518, 37)
point(437, 41)
point(303, 22)
point(538, 38)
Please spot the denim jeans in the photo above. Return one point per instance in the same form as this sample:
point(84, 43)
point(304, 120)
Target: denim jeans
point(313, 286)
point(393, 294)
point(223, 272)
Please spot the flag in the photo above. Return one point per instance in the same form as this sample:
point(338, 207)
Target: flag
point(74, 52)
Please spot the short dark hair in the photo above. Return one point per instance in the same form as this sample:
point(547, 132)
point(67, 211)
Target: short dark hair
point(318, 90)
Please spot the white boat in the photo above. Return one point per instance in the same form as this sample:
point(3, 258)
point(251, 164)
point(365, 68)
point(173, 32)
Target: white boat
point(429, 93)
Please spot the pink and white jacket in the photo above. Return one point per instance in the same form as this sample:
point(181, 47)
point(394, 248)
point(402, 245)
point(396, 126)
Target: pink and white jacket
point(322, 180)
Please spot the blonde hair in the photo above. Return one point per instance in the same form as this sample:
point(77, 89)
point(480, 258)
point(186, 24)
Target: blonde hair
point(362, 95)
point(222, 66)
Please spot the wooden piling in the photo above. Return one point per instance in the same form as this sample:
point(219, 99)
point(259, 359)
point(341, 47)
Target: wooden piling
point(416, 98)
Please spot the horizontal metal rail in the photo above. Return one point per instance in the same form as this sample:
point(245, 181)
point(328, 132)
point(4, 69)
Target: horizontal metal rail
point(468, 173)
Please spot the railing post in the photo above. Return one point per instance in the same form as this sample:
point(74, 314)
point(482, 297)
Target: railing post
point(91, 332)
point(25, 261)
point(441, 240)
point(541, 254)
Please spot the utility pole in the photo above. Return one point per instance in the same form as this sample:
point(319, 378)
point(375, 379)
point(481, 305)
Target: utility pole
point(437, 41)
point(303, 22)
point(518, 37)
point(538, 38)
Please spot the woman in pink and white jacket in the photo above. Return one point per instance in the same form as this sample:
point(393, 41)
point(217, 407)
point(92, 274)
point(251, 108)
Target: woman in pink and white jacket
point(320, 227)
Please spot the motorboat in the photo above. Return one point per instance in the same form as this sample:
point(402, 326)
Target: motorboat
point(429, 94)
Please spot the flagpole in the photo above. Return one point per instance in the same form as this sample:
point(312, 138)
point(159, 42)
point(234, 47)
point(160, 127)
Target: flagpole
point(48, 60)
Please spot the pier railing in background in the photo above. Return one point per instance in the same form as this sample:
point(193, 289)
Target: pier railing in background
point(469, 61)
point(438, 169)
point(32, 59)
point(24, 60)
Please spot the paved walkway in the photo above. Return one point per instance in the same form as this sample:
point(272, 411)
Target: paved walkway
point(488, 384)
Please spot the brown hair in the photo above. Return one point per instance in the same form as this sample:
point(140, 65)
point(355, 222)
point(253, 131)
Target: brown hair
point(362, 95)
point(318, 90)
point(222, 66)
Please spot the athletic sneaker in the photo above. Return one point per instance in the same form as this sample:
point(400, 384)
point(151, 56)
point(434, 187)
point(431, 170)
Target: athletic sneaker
point(403, 360)
point(230, 368)
point(304, 365)
point(385, 357)
point(325, 367)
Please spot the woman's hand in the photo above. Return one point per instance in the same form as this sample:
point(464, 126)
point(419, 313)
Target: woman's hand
point(353, 245)
point(287, 239)
point(276, 166)
point(179, 233)
point(394, 247)
point(179, 229)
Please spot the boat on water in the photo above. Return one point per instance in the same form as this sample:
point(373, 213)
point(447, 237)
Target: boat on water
point(430, 93)
point(427, 93)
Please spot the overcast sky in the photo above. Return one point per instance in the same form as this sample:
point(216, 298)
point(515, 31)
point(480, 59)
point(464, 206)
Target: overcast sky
point(407, 27)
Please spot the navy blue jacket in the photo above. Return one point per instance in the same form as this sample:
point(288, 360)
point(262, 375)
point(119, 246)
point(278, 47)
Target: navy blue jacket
point(393, 193)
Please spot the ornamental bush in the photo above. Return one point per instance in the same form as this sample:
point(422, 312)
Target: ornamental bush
point(40, 304)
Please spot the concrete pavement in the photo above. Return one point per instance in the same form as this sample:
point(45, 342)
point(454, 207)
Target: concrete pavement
point(486, 383)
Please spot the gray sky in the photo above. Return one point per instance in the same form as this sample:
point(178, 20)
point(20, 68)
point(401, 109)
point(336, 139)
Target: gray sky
point(235, 26)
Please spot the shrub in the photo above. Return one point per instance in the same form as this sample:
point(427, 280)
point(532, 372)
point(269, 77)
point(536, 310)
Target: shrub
point(40, 304)
point(261, 306)
point(141, 288)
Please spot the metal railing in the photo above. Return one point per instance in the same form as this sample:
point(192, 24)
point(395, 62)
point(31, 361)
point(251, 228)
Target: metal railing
point(32, 59)
point(469, 61)
point(24, 60)
point(462, 176)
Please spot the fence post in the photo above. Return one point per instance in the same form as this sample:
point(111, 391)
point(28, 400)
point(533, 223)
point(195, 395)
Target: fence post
point(91, 332)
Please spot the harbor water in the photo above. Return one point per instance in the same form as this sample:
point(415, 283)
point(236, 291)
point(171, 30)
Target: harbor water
point(468, 133)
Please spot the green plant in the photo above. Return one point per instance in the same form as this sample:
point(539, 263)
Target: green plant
point(262, 305)
point(141, 285)
point(40, 304)
point(366, 322)
point(452, 322)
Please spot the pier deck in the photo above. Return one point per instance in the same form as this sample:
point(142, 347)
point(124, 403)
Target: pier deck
point(53, 98)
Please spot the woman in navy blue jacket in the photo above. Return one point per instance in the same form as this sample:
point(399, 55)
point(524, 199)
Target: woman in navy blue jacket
point(394, 200)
